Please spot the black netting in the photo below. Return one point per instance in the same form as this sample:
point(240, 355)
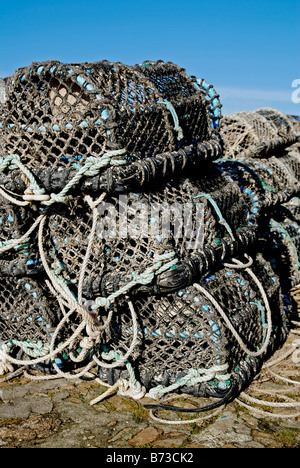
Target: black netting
point(257, 132)
point(140, 231)
point(56, 115)
point(184, 331)
point(28, 311)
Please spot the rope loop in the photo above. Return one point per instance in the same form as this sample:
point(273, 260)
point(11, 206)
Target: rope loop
point(268, 320)
point(238, 264)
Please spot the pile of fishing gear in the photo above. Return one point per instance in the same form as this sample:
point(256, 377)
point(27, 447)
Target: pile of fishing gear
point(145, 239)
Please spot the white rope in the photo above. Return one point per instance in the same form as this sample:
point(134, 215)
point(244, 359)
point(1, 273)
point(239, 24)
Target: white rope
point(93, 205)
point(293, 351)
point(109, 392)
point(52, 354)
point(188, 421)
point(66, 299)
point(60, 286)
point(16, 242)
point(134, 343)
point(12, 198)
point(271, 404)
point(238, 264)
point(267, 413)
point(5, 365)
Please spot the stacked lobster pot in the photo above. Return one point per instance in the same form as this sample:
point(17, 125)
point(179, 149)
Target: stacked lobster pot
point(145, 239)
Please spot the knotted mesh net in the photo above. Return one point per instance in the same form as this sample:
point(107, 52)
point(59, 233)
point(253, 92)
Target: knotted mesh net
point(144, 237)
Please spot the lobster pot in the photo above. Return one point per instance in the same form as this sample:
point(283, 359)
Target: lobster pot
point(294, 207)
point(291, 158)
point(28, 311)
point(245, 131)
point(130, 231)
point(179, 88)
point(124, 226)
point(186, 216)
point(295, 120)
point(274, 174)
point(185, 331)
point(281, 121)
point(2, 92)
point(33, 329)
point(281, 240)
point(18, 258)
point(56, 115)
point(274, 179)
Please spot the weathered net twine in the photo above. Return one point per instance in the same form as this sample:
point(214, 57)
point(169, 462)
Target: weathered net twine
point(253, 143)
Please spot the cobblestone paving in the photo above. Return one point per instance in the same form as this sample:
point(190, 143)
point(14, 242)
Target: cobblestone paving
point(58, 414)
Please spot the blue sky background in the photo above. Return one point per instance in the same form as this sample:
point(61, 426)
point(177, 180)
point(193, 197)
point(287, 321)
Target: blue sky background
point(249, 50)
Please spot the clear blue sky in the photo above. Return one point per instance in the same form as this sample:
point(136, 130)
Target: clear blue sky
point(249, 50)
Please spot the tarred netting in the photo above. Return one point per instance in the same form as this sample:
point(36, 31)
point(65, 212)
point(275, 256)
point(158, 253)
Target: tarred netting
point(144, 236)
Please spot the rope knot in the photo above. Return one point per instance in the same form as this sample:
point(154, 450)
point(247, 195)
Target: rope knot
point(55, 197)
point(9, 161)
point(87, 343)
point(102, 302)
point(127, 389)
